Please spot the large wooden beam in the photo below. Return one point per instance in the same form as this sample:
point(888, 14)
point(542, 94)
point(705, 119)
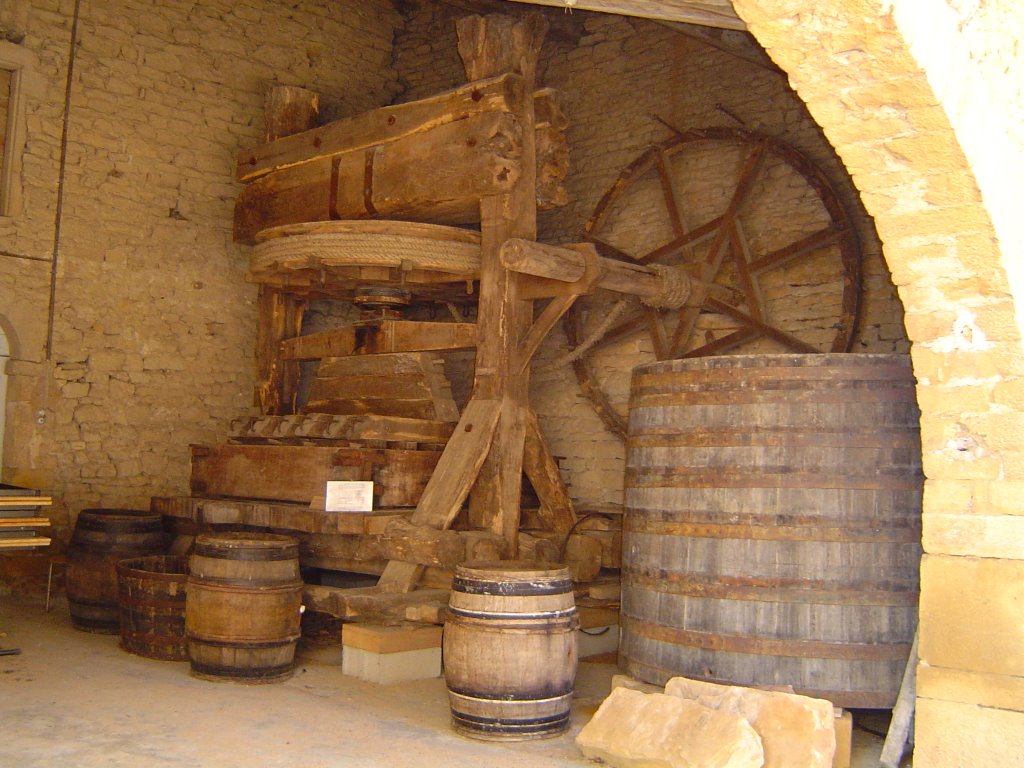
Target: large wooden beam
point(380, 337)
point(487, 45)
point(300, 473)
point(711, 13)
point(437, 175)
point(379, 126)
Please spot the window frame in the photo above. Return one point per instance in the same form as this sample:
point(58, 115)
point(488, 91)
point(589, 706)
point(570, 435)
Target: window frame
point(18, 61)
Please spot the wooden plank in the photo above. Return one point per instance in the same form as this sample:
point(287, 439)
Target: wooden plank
point(436, 176)
point(28, 541)
point(368, 603)
point(409, 384)
point(199, 510)
point(379, 126)
point(25, 501)
point(381, 337)
point(708, 13)
point(902, 714)
point(300, 473)
point(449, 485)
point(24, 522)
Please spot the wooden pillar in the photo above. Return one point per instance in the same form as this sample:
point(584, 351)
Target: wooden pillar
point(493, 425)
point(489, 46)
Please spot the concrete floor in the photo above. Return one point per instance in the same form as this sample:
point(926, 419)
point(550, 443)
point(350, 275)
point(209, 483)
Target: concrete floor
point(75, 700)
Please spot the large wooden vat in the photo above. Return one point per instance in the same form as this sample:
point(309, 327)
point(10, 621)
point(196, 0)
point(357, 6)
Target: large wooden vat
point(242, 608)
point(151, 599)
point(772, 529)
point(509, 650)
point(100, 539)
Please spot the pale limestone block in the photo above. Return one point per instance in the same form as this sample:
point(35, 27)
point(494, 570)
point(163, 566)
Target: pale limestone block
point(390, 668)
point(651, 730)
point(625, 681)
point(796, 731)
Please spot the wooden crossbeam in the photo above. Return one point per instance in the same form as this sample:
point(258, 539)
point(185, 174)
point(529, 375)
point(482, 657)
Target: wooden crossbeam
point(380, 337)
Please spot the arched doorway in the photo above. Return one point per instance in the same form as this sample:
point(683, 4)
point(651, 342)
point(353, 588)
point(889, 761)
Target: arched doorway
point(912, 99)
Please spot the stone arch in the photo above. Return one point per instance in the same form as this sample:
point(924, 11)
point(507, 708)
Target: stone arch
point(891, 86)
point(11, 335)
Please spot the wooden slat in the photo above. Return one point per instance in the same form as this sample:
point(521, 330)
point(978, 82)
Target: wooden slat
point(28, 541)
point(24, 522)
point(25, 501)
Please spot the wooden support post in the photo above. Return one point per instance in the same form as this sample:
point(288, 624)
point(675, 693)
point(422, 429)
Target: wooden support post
point(489, 46)
point(279, 318)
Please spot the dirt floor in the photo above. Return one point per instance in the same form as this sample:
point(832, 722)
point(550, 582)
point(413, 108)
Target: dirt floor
point(73, 699)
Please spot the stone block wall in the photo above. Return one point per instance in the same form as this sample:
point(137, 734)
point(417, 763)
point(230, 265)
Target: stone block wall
point(153, 325)
point(616, 77)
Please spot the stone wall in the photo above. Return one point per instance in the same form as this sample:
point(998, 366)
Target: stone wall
point(153, 324)
point(617, 76)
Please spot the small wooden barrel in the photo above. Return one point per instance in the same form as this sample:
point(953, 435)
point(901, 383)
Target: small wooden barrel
point(101, 538)
point(772, 530)
point(242, 608)
point(151, 599)
point(510, 650)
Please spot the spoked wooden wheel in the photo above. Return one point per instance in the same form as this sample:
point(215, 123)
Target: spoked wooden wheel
point(738, 209)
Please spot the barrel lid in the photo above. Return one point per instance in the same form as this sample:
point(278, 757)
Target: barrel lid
point(245, 540)
point(823, 359)
point(512, 568)
point(119, 515)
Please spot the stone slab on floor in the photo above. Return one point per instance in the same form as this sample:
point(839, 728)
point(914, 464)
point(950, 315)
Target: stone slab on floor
point(632, 729)
point(796, 731)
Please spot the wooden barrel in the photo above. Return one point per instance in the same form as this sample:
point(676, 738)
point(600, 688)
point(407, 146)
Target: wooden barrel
point(151, 601)
point(509, 650)
point(100, 539)
point(242, 608)
point(772, 531)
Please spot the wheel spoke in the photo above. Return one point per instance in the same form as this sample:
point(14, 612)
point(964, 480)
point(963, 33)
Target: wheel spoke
point(680, 244)
point(608, 250)
point(724, 344)
point(656, 327)
point(623, 330)
point(741, 258)
point(764, 329)
point(797, 249)
point(671, 199)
